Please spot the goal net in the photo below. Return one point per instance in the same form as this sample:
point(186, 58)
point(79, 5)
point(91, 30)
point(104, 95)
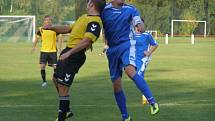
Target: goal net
point(154, 33)
point(188, 27)
point(17, 28)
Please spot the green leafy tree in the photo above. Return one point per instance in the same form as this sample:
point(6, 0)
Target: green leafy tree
point(188, 28)
point(80, 7)
point(156, 13)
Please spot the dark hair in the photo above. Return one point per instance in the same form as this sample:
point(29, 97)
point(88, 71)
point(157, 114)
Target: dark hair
point(100, 4)
point(47, 16)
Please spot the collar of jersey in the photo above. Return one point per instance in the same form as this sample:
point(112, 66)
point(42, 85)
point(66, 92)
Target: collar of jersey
point(92, 15)
point(110, 5)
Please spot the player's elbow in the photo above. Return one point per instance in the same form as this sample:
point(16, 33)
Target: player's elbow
point(87, 43)
point(68, 30)
point(156, 46)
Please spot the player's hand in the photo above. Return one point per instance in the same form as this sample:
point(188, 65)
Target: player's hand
point(64, 56)
point(105, 49)
point(33, 50)
point(106, 46)
point(147, 53)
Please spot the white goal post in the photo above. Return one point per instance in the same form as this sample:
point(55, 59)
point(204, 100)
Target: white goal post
point(21, 18)
point(172, 25)
point(153, 31)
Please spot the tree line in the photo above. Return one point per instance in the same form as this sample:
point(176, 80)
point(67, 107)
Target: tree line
point(157, 14)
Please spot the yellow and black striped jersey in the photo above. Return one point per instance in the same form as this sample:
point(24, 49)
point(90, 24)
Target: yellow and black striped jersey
point(49, 39)
point(87, 26)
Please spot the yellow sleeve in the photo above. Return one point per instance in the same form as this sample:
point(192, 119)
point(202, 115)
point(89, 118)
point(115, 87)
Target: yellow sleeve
point(71, 25)
point(93, 31)
point(39, 32)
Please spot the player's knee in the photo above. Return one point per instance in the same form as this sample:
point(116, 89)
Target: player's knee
point(54, 79)
point(63, 90)
point(117, 85)
point(55, 70)
point(43, 67)
point(54, 67)
point(130, 70)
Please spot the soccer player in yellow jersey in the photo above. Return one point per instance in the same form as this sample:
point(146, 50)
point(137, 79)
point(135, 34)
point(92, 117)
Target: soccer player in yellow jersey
point(83, 33)
point(48, 52)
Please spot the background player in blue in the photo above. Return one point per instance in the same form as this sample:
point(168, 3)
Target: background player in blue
point(144, 45)
point(118, 19)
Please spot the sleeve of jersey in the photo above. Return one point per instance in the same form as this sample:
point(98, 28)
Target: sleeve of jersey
point(93, 31)
point(71, 25)
point(152, 41)
point(136, 19)
point(38, 33)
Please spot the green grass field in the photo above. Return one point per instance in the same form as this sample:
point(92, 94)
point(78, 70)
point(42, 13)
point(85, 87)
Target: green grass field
point(181, 77)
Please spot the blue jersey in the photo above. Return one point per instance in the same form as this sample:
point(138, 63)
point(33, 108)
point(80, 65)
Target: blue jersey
point(141, 43)
point(117, 23)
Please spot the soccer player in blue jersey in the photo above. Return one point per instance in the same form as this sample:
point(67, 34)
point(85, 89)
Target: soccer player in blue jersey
point(118, 19)
point(144, 45)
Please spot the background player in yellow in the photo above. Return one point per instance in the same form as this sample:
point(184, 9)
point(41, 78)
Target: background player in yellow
point(48, 52)
point(83, 33)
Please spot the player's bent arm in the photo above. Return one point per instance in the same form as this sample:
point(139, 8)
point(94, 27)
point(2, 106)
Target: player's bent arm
point(105, 41)
point(35, 43)
point(85, 43)
point(59, 29)
point(152, 49)
point(59, 41)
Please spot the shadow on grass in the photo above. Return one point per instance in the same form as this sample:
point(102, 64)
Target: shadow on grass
point(92, 99)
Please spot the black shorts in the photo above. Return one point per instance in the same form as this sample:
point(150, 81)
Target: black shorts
point(48, 57)
point(66, 70)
